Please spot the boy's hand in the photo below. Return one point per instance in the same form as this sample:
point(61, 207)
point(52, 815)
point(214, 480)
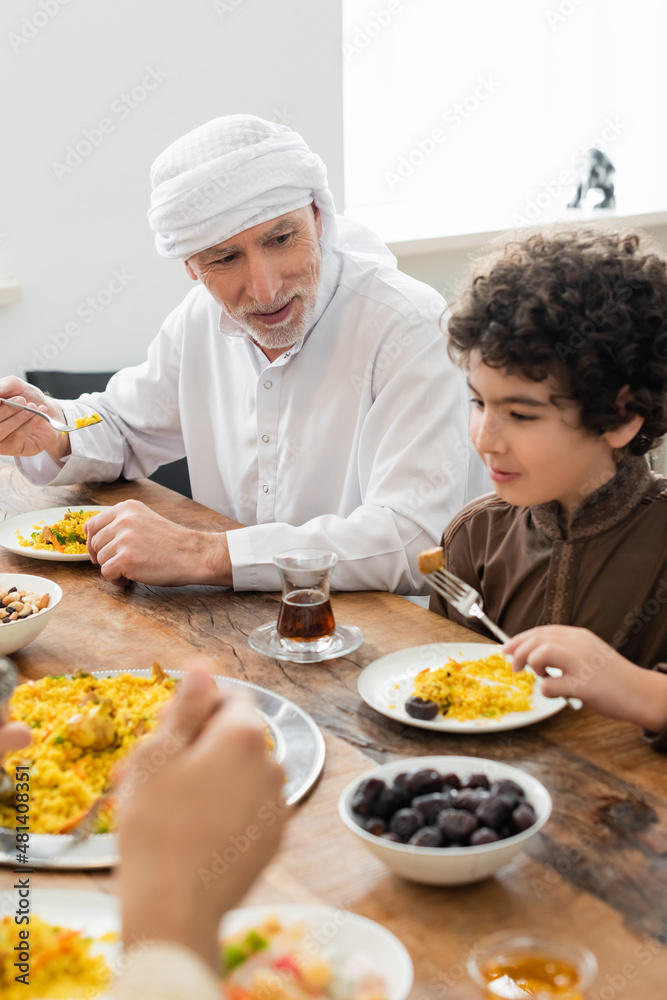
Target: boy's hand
point(593, 671)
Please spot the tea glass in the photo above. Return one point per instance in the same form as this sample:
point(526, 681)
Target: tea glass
point(567, 967)
point(306, 621)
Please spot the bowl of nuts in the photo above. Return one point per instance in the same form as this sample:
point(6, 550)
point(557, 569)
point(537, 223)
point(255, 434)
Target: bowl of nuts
point(26, 602)
point(445, 820)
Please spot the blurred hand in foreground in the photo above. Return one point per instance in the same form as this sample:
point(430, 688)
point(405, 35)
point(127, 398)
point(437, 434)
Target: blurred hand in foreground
point(201, 814)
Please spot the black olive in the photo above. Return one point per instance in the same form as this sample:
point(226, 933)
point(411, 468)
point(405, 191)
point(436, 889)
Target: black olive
point(456, 825)
point(523, 817)
point(366, 795)
point(483, 836)
point(426, 780)
point(421, 708)
point(406, 822)
point(432, 804)
point(428, 836)
point(476, 781)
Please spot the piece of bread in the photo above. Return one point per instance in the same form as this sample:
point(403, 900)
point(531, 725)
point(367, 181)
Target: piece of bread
point(430, 559)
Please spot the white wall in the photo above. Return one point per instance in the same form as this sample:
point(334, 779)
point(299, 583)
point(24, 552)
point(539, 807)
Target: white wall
point(66, 230)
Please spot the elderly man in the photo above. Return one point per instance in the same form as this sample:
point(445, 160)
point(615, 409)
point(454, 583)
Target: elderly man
point(305, 379)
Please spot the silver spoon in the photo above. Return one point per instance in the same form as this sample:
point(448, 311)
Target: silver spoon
point(56, 424)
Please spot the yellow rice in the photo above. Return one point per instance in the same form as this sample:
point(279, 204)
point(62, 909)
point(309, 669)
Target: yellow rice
point(68, 531)
point(92, 418)
point(473, 689)
point(61, 966)
point(66, 780)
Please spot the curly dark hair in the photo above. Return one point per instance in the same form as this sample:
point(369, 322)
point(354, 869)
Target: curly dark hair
point(588, 307)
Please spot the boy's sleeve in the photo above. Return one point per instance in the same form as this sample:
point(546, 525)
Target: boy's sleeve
point(658, 740)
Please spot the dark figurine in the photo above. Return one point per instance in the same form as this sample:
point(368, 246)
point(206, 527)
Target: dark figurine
point(595, 171)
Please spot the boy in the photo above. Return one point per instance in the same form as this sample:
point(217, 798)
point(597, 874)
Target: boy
point(564, 337)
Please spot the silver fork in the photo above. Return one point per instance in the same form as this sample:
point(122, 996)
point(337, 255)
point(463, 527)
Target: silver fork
point(56, 424)
point(468, 602)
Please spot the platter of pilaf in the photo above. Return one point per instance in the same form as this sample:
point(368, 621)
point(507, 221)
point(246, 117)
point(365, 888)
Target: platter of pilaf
point(85, 725)
point(455, 688)
point(55, 534)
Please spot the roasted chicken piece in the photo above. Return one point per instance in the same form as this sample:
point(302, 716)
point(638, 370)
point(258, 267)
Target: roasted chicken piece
point(93, 729)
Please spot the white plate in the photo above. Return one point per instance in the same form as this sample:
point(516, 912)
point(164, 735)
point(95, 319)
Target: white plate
point(299, 747)
point(337, 931)
point(385, 684)
point(24, 524)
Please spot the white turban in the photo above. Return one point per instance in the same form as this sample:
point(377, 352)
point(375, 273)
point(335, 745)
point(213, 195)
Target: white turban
point(237, 172)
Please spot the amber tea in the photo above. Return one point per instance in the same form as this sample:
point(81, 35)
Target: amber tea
point(305, 615)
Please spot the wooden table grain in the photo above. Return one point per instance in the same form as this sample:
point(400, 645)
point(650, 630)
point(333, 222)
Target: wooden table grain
point(597, 872)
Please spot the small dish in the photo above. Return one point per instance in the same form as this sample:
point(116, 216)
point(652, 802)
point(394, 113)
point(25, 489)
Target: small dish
point(448, 865)
point(16, 635)
point(266, 640)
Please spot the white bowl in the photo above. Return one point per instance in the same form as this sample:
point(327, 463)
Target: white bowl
point(448, 865)
point(18, 634)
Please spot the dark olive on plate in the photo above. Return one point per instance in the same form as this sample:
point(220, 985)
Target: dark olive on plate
point(428, 836)
point(365, 796)
point(406, 822)
point(424, 781)
point(376, 826)
point(421, 708)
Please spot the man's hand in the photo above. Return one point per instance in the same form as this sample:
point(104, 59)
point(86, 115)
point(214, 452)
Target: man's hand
point(593, 671)
point(201, 785)
point(22, 435)
point(13, 736)
point(133, 543)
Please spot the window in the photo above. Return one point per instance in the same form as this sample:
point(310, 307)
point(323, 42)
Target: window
point(469, 116)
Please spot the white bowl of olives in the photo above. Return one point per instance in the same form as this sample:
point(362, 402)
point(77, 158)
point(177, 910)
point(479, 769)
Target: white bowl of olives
point(445, 820)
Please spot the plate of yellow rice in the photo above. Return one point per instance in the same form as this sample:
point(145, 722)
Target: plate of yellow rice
point(85, 724)
point(74, 945)
point(55, 534)
point(472, 684)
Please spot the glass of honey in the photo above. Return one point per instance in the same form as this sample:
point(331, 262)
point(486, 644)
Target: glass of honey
point(518, 965)
point(306, 620)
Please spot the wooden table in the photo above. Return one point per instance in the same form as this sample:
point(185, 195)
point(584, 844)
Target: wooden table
point(597, 872)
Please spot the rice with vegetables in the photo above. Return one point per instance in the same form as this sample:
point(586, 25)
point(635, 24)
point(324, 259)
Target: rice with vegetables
point(82, 727)
point(61, 964)
point(472, 689)
point(66, 535)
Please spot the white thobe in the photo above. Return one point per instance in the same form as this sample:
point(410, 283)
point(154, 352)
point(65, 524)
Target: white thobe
point(353, 440)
